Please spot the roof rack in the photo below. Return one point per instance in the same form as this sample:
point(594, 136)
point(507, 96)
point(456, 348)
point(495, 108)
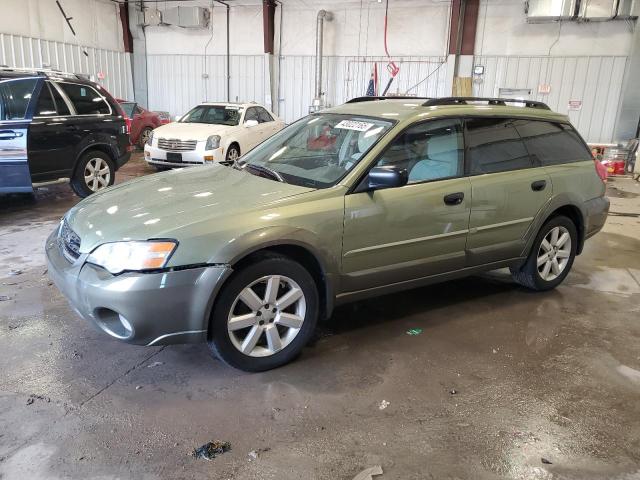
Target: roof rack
point(390, 97)
point(39, 71)
point(490, 101)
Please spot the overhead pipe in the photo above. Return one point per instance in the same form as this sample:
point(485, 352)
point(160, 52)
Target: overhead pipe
point(322, 16)
point(228, 53)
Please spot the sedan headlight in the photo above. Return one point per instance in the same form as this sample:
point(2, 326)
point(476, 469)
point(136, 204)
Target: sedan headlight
point(213, 142)
point(117, 257)
point(150, 138)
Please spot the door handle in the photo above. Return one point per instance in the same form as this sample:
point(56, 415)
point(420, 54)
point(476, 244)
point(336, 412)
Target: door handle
point(9, 134)
point(454, 198)
point(538, 185)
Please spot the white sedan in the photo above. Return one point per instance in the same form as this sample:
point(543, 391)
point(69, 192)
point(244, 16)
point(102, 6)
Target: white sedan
point(211, 132)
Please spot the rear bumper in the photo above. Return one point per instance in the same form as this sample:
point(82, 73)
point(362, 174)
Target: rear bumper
point(122, 160)
point(597, 210)
point(138, 308)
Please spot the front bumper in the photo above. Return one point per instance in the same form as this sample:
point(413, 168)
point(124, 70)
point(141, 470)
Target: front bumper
point(140, 308)
point(157, 156)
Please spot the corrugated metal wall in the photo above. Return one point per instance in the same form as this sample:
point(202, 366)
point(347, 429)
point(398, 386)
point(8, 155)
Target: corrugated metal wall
point(176, 82)
point(27, 52)
point(595, 81)
point(348, 77)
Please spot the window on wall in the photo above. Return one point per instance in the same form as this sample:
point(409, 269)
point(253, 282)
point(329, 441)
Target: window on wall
point(552, 143)
point(85, 99)
point(428, 151)
point(494, 146)
point(15, 96)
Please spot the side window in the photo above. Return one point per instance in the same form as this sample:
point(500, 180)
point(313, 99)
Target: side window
point(263, 115)
point(138, 110)
point(552, 143)
point(15, 96)
point(61, 105)
point(493, 145)
point(252, 114)
point(428, 151)
point(86, 100)
point(46, 107)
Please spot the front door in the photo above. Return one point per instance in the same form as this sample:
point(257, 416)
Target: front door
point(417, 230)
point(509, 188)
point(15, 118)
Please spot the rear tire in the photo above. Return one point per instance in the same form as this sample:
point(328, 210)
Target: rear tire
point(265, 314)
point(95, 171)
point(551, 256)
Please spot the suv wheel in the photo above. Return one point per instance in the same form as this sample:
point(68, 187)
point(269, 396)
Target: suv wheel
point(144, 137)
point(95, 171)
point(265, 314)
point(551, 257)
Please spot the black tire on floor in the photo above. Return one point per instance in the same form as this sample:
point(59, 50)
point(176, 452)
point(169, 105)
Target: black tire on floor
point(266, 264)
point(144, 134)
point(78, 182)
point(232, 148)
point(528, 275)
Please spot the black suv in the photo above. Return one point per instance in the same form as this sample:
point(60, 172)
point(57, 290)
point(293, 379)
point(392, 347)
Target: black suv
point(55, 125)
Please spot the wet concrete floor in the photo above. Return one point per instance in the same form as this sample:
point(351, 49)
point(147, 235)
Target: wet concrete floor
point(551, 375)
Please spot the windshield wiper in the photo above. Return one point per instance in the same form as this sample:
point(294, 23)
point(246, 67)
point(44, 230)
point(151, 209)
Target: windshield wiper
point(267, 170)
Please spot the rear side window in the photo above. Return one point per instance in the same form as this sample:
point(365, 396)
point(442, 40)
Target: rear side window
point(552, 143)
point(15, 96)
point(61, 105)
point(85, 99)
point(46, 106)
point(495, 146)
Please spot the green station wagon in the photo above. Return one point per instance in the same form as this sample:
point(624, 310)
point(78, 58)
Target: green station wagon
point(367, 198)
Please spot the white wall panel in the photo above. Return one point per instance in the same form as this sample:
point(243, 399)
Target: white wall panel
point(176, 82)
point(596, 81)
point(27, 52)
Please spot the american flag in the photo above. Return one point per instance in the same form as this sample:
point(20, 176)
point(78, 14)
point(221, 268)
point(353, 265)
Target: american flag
point(372, 89)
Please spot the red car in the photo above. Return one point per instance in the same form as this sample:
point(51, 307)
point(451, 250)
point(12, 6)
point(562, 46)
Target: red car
point(142, 121)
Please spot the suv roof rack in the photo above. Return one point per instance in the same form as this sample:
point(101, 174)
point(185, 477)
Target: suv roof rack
point(40, 71)
point(491, 101)
point(391, 97)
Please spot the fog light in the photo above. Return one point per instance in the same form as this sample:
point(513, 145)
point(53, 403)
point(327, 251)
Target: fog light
point(113, 323)
point(208, 158)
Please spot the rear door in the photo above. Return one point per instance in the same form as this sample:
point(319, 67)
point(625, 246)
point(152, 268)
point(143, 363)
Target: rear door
point(509, 188)
point(254, 134)
point(51, 138)
point(268, 124)
point(16, 109)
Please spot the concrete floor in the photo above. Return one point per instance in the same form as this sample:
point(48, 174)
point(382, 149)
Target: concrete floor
point(551, 375)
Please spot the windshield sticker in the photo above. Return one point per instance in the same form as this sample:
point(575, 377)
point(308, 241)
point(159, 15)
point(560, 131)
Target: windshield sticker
point(354, 125)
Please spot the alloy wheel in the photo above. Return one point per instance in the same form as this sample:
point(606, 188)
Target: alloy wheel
point(97, 174)
point(144, 137)
point(266, 316)
point(554, 253)
point(233, 154)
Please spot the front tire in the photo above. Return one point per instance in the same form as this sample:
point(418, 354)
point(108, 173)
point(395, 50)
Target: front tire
point(233, 153)
point(264, 315)
point(551, 257)
point(144, 137)
point(95, 171)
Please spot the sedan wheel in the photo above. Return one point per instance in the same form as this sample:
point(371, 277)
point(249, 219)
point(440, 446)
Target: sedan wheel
point(266, 316)
point(554, 253)
point(97, 174)
point(233, 154)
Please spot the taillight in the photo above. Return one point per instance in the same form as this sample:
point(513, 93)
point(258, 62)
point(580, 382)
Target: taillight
point(127, 122)
point(601, 170)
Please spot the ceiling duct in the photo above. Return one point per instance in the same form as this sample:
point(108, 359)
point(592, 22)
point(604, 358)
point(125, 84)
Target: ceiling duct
point(187, 17)
point(539, 11)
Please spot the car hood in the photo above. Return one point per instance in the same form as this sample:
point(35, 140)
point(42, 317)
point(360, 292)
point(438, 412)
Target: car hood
point(191, 131)
point(163, 205)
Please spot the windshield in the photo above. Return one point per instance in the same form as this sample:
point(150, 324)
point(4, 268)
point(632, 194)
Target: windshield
point(318, 150)
point(128, 108)
point(214, 114)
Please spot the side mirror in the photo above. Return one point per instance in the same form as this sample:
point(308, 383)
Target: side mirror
point(386, 177)
point(251, 123)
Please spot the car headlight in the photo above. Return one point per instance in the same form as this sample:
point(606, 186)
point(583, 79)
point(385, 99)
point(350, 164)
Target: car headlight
point(117, 257)
point(150, 138)
point(213, 142)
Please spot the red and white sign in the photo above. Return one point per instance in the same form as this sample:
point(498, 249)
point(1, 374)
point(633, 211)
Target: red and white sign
point(575, 104)
point(544, 88)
